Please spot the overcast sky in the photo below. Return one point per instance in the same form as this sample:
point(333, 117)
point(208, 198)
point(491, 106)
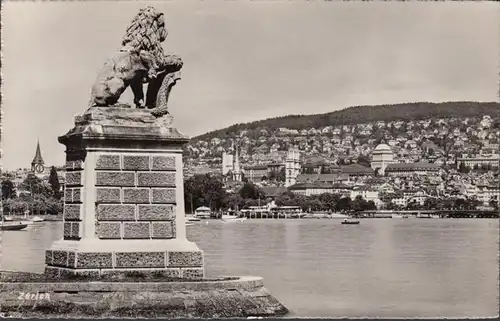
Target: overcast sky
point(244, 60)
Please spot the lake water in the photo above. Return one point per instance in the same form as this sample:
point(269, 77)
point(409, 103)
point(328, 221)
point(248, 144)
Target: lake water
point(320, 268)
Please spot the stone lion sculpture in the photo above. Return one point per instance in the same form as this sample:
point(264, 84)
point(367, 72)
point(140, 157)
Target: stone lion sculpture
point(140, 60)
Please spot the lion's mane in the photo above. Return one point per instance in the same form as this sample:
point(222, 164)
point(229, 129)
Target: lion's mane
point(146, 32)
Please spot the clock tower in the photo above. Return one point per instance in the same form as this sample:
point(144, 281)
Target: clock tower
point(37, 163)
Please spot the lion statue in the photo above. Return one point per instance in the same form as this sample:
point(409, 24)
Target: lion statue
point(140, 60)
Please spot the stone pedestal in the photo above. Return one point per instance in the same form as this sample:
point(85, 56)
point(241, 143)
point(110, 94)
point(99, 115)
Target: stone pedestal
point(124, 198)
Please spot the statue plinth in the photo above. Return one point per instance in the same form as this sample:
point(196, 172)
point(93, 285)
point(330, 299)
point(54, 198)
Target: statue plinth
point(124, 197)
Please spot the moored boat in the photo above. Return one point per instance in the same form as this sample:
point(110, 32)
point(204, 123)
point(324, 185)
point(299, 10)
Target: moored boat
point(349, 222)
point(202, 213)
point(12, 226)
point(37, 219)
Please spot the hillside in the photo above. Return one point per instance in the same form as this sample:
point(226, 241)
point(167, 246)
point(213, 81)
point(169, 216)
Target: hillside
point(365, 114)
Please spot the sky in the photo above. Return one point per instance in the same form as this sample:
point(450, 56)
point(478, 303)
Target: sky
point(244, 60)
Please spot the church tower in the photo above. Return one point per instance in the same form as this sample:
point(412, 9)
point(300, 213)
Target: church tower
point(37, 165)
point(292, 166)
point(237, 170)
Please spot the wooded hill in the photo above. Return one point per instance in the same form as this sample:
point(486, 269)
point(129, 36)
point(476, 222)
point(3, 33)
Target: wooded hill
point(366, 114)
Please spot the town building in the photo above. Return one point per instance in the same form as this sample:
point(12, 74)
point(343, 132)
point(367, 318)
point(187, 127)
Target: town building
point(382, 156)
point(482, 160)
point(308, 189)
point(231, 165)
point(356, 170)
point(367, 193)
point(410, 169)
point(255, 173)
point(292, 166)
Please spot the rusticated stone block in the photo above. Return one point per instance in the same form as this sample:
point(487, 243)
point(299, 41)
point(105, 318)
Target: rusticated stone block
point(108, 161)
point(185, 259)
point(67, 230)
point(48, 257)
point(155, 212)
point(163, 195)
point(91, 260)
point(172, 272)
point(74, 178)
point(77, 195)
point(192, 273)
point(140, 260)
point(71, 259)
point(51, 272)
point(59, 258)
point(161, 163)
point(108, 195)
point(149, 179)
point(136, 195)
point(136, 230)
point(69, 165)
point(68, 195)
point(115, 179)
point(78, 164)
point(163, 230)
point(74, 165)
point(135, 162)
point(72, 212)
point(75, 230)
point(115, 213)
point(108, 230)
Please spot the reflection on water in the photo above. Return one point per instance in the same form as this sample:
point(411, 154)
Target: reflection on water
point(320, 268)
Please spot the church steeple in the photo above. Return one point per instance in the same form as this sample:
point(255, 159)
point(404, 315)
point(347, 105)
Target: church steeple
point(37, 163)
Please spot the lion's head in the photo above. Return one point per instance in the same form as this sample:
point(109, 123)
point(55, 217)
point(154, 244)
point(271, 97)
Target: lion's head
point(146, 32)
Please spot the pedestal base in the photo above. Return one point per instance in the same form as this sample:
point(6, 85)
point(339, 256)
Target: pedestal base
point(174, 258)
point(124, 198)
point(209, 298)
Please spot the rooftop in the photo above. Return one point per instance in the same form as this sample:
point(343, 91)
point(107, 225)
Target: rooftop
point(412, 166)
point(382, 148)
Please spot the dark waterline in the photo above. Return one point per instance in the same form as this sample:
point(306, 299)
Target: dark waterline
point(320, 268)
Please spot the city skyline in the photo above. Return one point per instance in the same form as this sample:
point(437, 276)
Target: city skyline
point(357, 53)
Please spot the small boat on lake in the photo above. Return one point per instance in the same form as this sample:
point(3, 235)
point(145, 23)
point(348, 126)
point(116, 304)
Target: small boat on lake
point(37, 219)
point(12, 226)
point(349, 222)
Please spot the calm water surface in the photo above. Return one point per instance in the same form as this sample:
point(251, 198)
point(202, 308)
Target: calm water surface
point(320, 268)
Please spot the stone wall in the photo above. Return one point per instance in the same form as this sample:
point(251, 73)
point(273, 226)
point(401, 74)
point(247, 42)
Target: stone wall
point(173, 264)
point(135, 196)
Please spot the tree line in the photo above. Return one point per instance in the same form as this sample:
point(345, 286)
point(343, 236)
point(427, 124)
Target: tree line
point(209, 190)
point(33, 194)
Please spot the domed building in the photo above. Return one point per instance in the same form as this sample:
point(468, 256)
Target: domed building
point(382, 156)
